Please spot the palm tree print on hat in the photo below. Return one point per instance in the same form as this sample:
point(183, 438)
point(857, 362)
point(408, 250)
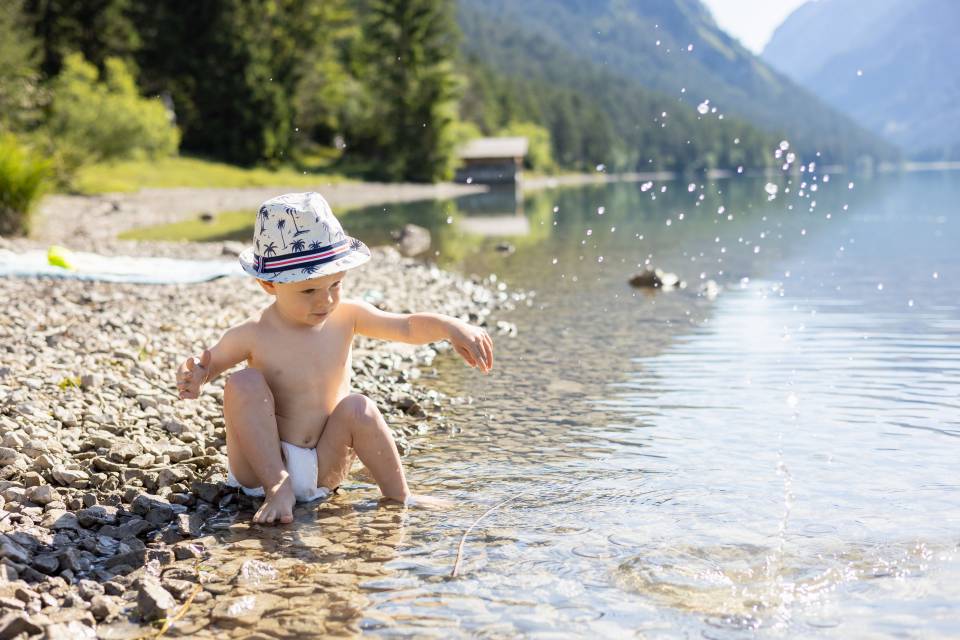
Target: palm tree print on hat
point(281, 225)
point(270, 249)
point(299, 232)
point(315, 245)
point(355, 244)
point(297, 245)
point(309, 269)
point(263, 213)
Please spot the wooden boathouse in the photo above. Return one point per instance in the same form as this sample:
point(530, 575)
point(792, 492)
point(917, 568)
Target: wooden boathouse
point(492, 160)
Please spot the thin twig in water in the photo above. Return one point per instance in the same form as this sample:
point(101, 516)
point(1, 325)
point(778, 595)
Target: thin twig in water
point(463, 538)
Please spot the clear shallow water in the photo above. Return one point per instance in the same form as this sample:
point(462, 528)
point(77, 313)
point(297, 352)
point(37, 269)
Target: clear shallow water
point(781, 460)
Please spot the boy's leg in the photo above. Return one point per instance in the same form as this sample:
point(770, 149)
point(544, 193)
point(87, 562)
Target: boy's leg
point(253, 444)
point(356, 423)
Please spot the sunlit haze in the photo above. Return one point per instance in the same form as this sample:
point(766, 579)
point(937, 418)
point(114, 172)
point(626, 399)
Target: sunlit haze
point(751, 21)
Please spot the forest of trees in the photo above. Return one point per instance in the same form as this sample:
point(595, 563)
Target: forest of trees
point(384, 88)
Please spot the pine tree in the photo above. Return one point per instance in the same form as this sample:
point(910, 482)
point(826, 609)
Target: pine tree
point(409, 51)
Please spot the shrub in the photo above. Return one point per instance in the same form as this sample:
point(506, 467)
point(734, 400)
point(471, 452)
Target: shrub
point(22, 179)
point(94, 119)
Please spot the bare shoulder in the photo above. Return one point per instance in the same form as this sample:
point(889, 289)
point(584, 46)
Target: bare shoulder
point(243, 334)
point(352, 308)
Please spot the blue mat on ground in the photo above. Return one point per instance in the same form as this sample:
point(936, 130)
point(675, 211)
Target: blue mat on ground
point(92, 266)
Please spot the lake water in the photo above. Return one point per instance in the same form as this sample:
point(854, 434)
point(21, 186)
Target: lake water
point(781, 459)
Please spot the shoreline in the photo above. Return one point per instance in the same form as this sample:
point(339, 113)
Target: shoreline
point(96, 220)
point(107, 479)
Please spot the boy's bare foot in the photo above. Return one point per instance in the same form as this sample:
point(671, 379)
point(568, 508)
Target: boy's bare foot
point(277, 505)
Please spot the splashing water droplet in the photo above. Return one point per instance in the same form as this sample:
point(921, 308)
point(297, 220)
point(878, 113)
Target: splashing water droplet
point(880, 286)
point(600, 259)
point(589, 232)
point(554, 261)
point(449, 219)
point(646, 186)
point(721, 209)
point(601, 168)
point(784, 145)
point(703, 107)
point(936, 275)
point(601, 210)
point(756, 249)
point(469, 180)
point(691, 187)
point(859, 72)
point(771, 188)
point(849, 185)
point(555, 209)
point(689, 47)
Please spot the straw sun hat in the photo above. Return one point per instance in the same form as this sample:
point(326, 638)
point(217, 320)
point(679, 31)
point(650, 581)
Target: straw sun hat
point(296, 238)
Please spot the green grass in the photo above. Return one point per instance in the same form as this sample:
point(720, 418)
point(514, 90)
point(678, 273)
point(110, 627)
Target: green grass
point(132, 175)
point(228, 225)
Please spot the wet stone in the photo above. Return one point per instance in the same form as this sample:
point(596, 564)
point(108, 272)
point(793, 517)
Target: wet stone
point(72, 630)
point(46, 562)
point(244, 610)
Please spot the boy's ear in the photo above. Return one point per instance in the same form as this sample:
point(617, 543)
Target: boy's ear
point(269, 287)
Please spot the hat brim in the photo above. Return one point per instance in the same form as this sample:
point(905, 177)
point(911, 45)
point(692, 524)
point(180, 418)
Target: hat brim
point(359, 254)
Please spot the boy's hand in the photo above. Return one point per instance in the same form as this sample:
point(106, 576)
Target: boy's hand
point(192, 374)
point(473, 344)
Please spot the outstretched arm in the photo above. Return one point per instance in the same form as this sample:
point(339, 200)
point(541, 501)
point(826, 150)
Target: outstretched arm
point(472, 343)
point(195, 371)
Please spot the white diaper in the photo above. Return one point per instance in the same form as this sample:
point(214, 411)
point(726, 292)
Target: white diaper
point(301, 464)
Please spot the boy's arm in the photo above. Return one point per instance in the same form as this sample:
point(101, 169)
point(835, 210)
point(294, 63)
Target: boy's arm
point(233, 347)
point(471, 342)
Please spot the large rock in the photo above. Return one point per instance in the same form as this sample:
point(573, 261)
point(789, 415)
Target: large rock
point(153, 508)
point(412, 240)
point(14, 624)
point(97, 515)
point(43, 494)
point(153, 601)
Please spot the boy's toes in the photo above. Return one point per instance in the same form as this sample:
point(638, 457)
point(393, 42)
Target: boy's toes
point(286, 518)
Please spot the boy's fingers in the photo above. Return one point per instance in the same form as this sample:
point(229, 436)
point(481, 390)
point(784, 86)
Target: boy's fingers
point(467, 355)
point(487, 352)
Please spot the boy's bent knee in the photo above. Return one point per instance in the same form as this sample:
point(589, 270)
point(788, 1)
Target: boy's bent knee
point(359, 407)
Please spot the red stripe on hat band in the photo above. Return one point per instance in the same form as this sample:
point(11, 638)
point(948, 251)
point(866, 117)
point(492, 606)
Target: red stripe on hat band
point(307, 258)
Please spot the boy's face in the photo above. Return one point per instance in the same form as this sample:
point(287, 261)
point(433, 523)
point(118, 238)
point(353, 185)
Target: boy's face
point(308, 302)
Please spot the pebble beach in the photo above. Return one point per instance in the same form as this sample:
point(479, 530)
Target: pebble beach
point(107, 480)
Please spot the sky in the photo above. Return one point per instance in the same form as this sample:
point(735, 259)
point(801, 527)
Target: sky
point(751, 21)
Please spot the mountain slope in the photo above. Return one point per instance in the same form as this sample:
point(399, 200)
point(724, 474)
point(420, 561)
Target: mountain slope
point(649, 42)
point(909, 90)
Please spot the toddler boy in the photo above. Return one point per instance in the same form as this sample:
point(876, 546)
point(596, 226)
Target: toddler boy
point(293, 426)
